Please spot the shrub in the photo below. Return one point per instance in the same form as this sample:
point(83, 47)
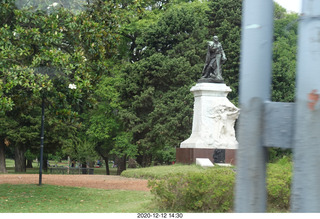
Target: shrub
point(192, 188)
point(279, 177)
point(161, 172)
point(209, 191)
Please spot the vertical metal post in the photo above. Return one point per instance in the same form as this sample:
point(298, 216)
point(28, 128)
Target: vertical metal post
point(42, 140)
point(306, 178)
point(255, 80)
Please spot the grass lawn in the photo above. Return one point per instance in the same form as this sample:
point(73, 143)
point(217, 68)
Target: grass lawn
point(60, 199)
point(54, 199)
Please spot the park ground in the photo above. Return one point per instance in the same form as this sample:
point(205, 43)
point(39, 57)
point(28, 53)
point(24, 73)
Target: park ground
point(68, 193)
point(89, 181)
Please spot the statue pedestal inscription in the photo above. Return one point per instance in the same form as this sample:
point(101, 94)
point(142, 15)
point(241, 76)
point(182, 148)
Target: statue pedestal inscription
point(213, 125)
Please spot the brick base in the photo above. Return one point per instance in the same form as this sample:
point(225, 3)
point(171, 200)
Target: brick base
point(189, 155)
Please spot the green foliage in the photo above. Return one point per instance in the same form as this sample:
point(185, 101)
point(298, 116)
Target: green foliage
point(103, 124)
point(274, 154)
point(72, 48)
point(43, 49)
point(22, 125)
point(85, 151)
point(123, 145)
point(210, 191)
point(175, 184)
point(133, 63)
point(30, 156)
point(167, 52)
point(284, 56)
point(225, 22)
point(161, 172)
point(279, 179)
point(157, 104)
point(165, 156)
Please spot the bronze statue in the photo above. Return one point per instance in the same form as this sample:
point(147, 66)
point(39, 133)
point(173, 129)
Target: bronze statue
point(212, 71)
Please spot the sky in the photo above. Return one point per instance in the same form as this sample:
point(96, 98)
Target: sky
point(290, 5)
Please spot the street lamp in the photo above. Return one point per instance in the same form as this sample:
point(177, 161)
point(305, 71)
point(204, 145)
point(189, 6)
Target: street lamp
point(72, 87)
point(50, 72)
point(75, 7)
point(42, 139)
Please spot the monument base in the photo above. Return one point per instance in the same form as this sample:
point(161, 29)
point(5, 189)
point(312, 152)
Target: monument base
point(189, 155)
point(214, 117)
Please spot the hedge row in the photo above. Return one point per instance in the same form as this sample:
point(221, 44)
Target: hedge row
point(213, 189)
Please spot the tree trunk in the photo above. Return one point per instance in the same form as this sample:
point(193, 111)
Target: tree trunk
point(122, 165)
point(19, 159)
point(3, 168)
point(84, 166)
point(106, 160)
point(45, 163)
point(144, 160)
point(29, 163)
point(91, 164)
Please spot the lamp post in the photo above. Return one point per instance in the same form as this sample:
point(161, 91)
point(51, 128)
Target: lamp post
point(42, 140)
point(73, 8)
point(49, 72)
point(72, 87)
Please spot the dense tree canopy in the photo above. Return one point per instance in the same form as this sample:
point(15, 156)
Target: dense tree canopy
point(157, 104)
point(284, 55)
point(225, 22)
point(133, 64)
point(43, 50)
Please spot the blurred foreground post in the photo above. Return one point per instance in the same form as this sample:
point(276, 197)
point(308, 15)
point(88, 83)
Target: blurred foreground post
point(265, 124)
point(306, 177)
point(255, 80)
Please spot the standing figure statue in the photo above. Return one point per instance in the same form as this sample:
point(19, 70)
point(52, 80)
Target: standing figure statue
point(212, 71)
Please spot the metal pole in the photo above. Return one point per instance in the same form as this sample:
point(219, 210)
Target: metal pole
point(306, 178)
point(42, 139)
point(255, 81)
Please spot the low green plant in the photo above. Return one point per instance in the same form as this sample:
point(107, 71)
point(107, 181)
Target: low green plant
point(211, 190)
point(279, 177)
point(161, 172)
point(207, 191)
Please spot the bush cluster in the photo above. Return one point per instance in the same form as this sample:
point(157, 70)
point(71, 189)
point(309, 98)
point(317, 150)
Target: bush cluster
point(279, 177)
point(212, 190)
point(209, 191)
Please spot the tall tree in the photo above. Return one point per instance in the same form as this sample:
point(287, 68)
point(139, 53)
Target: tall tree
point(157, 105)
point(103, 124)
point(45, 48)
point(225, 22)
point(166, 60)
point(284, 55)
point(22, 125)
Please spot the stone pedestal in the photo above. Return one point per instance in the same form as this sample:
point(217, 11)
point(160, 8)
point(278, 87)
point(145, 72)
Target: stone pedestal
point(214, 117)
point(189, 155)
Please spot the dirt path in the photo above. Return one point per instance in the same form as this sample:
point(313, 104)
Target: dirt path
point(90, 181)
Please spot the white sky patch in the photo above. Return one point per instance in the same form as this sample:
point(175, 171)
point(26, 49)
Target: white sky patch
point(291, 5)
point(74, 6)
